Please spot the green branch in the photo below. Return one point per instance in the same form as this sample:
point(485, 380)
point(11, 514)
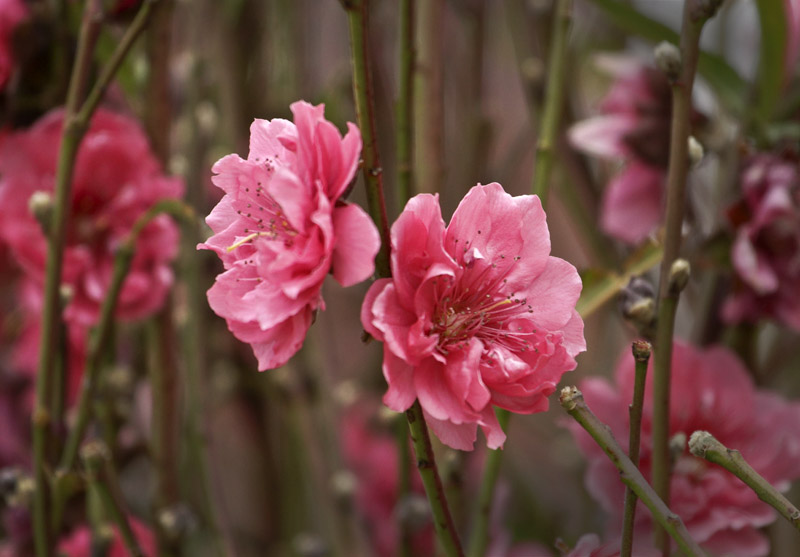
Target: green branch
point(572, 401)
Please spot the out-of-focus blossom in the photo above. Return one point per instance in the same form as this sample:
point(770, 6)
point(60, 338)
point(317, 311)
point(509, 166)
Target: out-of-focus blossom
point(633, 126)
point(711, 391)
point(282, 227)
point(26, 348)
point(476, 314)
point(372, 456)
point(11, 13)
point(766, 250)
point(116, 179)
point(79, 542)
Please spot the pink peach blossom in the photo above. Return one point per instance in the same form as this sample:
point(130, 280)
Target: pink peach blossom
point(766, 250)
point(711, 391)
point(282, 227)
point(79, 542)
point(633, 126)
point(477, 314)
point(11, 13)
point(116, 179)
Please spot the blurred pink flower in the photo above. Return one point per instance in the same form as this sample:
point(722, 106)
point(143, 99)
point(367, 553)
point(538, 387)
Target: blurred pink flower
point(11, 13)
point(281, 228)
point(476, 314)
point(79, 542)
point(633, 126)
point(711, 391)
point(766, 250)
point(116, 179)
point(372, 456)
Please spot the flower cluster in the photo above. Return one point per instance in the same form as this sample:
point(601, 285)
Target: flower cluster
point(766, 251)
point(476, 313)
point(116, 179)
point(711, 391)
point(281, 227)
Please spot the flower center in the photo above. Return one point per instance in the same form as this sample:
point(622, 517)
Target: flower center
point(262, 217)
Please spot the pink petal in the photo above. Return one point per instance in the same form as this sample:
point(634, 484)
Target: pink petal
point(632, 203)
point(357, 243)
point(458, 436)
point(603, 136)
point(401, 393)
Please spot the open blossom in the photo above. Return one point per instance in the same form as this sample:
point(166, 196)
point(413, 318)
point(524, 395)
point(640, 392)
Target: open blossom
point(116, 179)
point(766, 250)
point(11, 13)
point(281, 227)
point(476, 313)
point(711, 391)
point(633, 126)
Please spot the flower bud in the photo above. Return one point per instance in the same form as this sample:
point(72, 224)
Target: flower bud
point(175, 521)
point(637, 304)
point(696, 151)
point(678, 276)
point(40, 204)
point(641, 350)
point(668, 59)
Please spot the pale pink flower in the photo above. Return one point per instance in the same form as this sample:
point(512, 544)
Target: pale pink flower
point(282, 227)
point(766, 250)
point(116, 179)
point(476, 314)
point(11, 13)
point(79, 542)
point(711, 391)
point(371, 455)
point(633, 126)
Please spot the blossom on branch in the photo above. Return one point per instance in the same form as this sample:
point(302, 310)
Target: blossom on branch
point(116, 180)
point(477, 314)
point(281, 227)
point(766, 250)
point(711, 391)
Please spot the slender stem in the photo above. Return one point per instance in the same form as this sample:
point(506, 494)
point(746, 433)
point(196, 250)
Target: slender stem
point(71, 136)
point(103, 480)
point(695, 14)
point(102, 333)
point(641, 354)
point(553, 101)
point(572, 401)
point(429, 108)
point(405, 103)
point(480, 526)
point(704, 445)
point(403, 485)
point(357, 15)
point(426, 463)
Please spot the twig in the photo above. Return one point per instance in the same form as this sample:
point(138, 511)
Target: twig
point(426, 463)
point(357, 15)
point(553, 101)
point(103, 480)
point(71, 136)
point(405, 103)
point(695, 14)
point(480, 526)
point(572, 401)
point(429, 108)
point(641, 354)
point(704, 445)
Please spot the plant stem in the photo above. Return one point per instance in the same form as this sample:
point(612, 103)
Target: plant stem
point(71, 136)
point(695, 14)
point(103, 480)
point(641, 354)
point(426, 463)
point(429, 108)
point(572, 401)
point(405, 103)
point(102, 333)
point(357, 15)
point(704, 445)
point(480, 526)
point(553, 101)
